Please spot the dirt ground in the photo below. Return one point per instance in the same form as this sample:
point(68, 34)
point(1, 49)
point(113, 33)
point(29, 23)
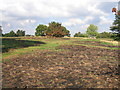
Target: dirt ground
point(74, 67)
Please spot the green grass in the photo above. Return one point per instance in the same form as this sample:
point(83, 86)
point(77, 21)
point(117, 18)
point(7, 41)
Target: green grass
point(90, 40)
point(98, 40)
point(95, 40)
point(50, 44)
point(106, 43)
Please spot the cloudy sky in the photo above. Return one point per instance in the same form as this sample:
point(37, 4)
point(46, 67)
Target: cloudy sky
point(75, 15)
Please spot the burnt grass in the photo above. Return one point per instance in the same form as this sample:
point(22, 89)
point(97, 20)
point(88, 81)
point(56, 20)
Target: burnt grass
point(74, 67)
point(15, 43)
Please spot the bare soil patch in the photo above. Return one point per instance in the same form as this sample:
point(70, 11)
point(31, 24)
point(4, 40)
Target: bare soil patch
point(75, 67)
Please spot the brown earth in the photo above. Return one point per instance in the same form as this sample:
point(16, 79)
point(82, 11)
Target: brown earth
point(75, 67)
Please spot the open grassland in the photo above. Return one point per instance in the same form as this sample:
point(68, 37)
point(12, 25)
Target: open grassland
point(40, 62)
point(16, 46)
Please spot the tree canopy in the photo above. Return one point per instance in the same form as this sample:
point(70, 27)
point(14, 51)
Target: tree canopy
point(92, 30)
point(104, 35)
point(20, 33)
point(54, 29)
point(116, 27)
point(13, 34)
point(79, 34)
point(40, 30)
point(10, 34)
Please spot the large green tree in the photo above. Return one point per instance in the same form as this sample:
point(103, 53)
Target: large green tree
point(116, 27)
point(57, 30)
point(92, 30)
point(41, 30)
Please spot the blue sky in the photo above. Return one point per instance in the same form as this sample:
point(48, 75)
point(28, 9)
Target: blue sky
point(75, 15)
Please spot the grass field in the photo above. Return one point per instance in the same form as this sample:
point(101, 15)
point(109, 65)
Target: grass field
point(40, 62)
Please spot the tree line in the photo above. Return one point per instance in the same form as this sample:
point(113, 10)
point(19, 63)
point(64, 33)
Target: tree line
point(18, 33)
point(56, 29)
point(92, 32)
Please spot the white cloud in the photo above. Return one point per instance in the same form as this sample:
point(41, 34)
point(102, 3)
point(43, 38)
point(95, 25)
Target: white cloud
point(77, 21)
point(104, 20)
point(70, 12)
point(95, 11)
point(84, 27)
point(88, 18)
point(26, 22)
point(45, 8)
point(8, 25)
point(73, 22)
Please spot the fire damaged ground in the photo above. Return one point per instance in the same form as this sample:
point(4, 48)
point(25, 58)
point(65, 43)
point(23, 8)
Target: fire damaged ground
point(74, 67)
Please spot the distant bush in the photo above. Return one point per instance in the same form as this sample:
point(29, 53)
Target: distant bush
point(116, 36)
point(10, 34)
point(20, 33)
point(79, 34)
point(13, 34)
point(29, 35)
point(104, 35)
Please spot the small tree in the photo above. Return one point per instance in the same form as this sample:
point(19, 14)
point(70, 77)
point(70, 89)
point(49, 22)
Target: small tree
point(10, 34)
point(20, 33)
point(3, 35)
point(77, 34)
point(92, 30)
point(41, 30)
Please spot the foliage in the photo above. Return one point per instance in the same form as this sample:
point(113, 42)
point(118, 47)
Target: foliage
point(104, 35)
point(28, 35)
point(54, 29)
point(13, 34)
point(40, 30)
point(57, 30)
point(79, 34)
point(10, 34)
point(20, 33)
point(115, 36)
point(116, 27)
point(3, 35)
point(92, 30)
